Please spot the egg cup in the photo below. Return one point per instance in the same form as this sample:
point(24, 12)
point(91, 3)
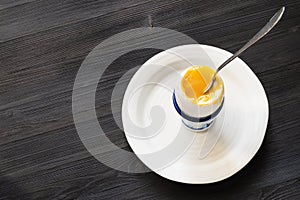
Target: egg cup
point(197, 123)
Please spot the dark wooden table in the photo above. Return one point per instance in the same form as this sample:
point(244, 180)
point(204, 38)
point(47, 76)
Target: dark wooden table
point(43, 44)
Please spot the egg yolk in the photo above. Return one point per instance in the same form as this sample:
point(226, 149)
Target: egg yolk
point(195, 81)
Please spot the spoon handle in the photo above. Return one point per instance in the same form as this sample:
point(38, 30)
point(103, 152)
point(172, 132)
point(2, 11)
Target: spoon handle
point(272, 22)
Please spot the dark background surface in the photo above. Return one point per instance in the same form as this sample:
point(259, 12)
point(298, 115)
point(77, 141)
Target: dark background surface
point(42, 46)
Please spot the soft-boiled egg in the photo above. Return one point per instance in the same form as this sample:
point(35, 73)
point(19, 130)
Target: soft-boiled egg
point(190, 91)
point(195, 81)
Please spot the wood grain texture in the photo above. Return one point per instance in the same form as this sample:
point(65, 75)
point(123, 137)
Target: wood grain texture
point(42, 46)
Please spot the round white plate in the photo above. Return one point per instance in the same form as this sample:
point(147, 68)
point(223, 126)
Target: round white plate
point(171, 150)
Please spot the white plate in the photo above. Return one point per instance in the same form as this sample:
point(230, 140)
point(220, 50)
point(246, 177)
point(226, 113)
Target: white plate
point(210, 156)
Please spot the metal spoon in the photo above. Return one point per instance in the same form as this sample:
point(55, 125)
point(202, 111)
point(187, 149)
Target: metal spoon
point(272, 22)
